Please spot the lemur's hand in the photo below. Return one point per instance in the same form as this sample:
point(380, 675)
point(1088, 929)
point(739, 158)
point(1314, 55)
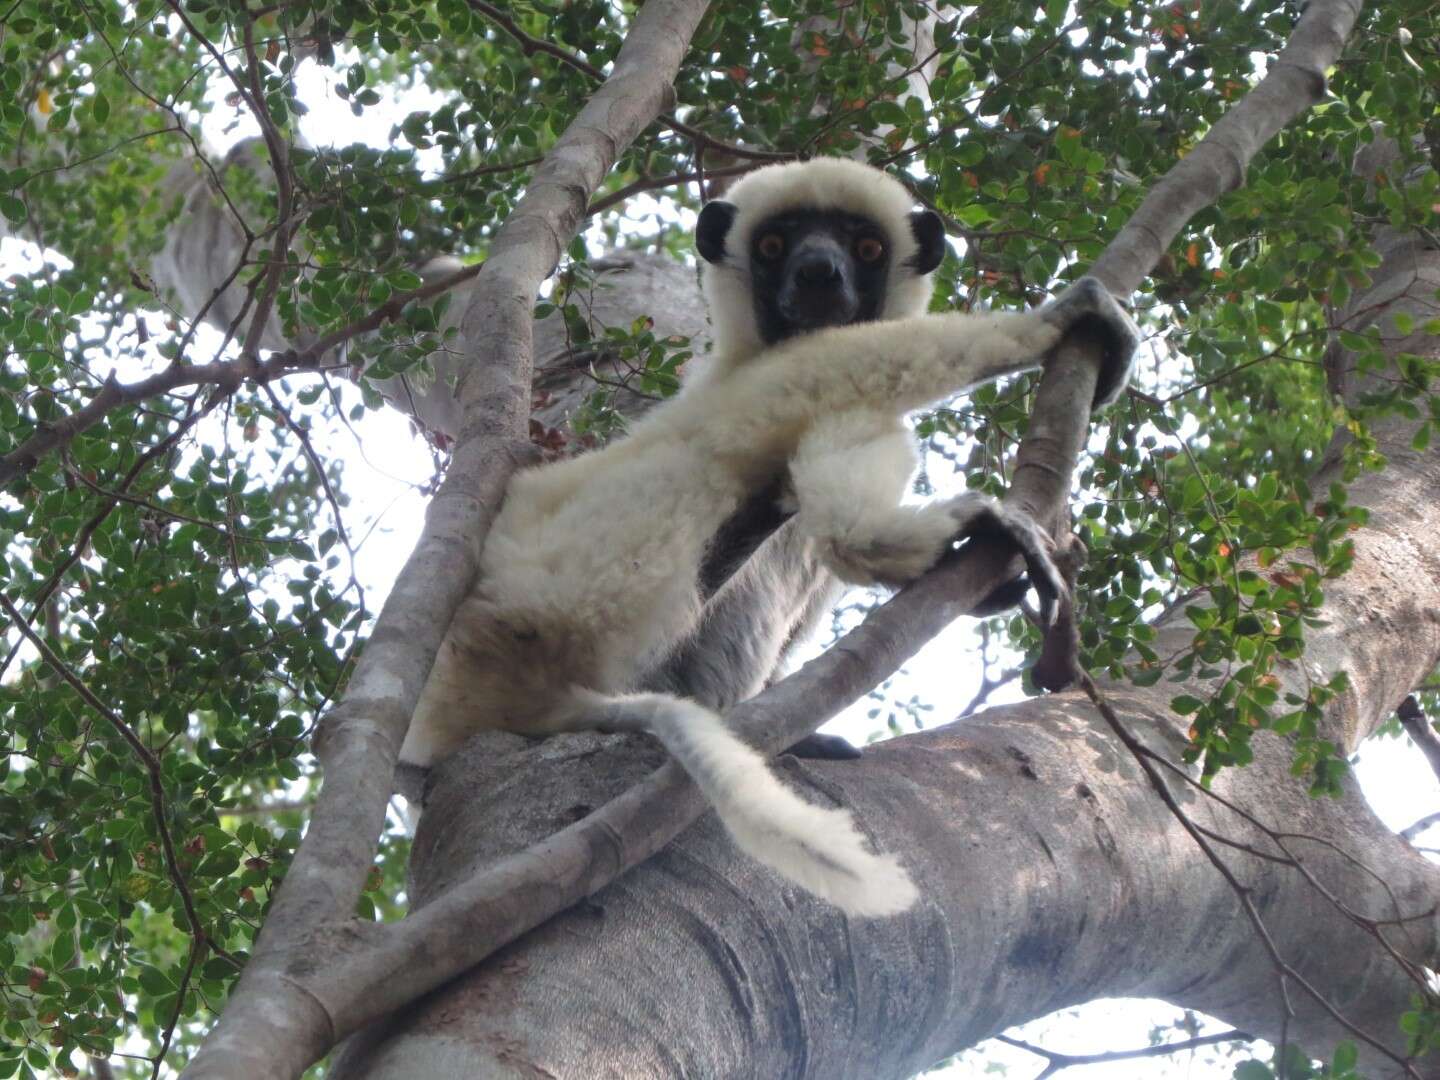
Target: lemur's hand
point(1087, 308)
point(978, 515)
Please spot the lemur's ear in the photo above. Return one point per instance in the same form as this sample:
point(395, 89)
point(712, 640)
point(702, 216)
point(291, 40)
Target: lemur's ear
point(710, 231)
point(929, 233)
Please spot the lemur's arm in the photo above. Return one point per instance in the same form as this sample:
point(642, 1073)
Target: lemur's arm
point(852, 465)
point(907, 364)
point(849, 476)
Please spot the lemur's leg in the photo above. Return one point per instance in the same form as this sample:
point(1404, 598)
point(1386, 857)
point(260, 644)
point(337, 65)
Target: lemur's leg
point(849, 475)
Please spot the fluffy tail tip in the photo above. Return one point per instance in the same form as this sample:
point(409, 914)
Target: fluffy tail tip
point(886, 889)
point(822, 851)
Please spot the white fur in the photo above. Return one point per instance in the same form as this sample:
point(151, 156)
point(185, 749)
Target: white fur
point(588, 578)
point(819, 849)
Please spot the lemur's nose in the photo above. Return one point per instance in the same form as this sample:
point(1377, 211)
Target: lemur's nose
point(814, 268)
point(817, 262)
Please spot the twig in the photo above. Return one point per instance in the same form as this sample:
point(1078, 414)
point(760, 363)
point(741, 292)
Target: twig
point(653, 183)
point(82, 538)
point(1284, 970)
point(988, 683)
point(285, 219)
point(317, 466)
point(1057, 1061)
point(227, 377)
point(172, 515)
point(280, 806)
point(197, 949)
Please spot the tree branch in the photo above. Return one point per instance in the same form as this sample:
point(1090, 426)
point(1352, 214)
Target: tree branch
point(1057, 1061)
point(1287, 972)
point(151, 763)
point(226, 376)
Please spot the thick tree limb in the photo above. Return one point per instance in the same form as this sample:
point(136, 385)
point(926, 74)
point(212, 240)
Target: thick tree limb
point(273, 1026)
point(1042, 855)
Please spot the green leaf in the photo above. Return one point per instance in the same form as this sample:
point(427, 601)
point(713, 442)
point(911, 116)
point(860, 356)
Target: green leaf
point(1346, 1057)
point(1253, 1070)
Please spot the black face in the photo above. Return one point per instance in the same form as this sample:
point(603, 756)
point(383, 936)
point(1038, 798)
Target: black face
point(816, 268)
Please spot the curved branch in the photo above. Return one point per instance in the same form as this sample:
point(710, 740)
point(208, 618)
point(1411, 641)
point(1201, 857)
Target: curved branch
point(225, 376)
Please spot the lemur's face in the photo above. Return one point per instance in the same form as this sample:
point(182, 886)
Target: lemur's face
point(813, 268)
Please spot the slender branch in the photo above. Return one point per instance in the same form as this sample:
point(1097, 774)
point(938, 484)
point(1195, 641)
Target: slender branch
point(264, 809)
point(197, 951)
point(1283, 968)
point(223, 374)
point(82, 538)
point(654, 183)
point(482, 170)
point(1057, 1061)
point(172, 515)
point(285, 219)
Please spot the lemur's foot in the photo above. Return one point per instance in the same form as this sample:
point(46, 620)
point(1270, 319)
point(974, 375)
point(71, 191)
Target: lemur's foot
point(979, 515)
point(824, 747)
point(1087, 308)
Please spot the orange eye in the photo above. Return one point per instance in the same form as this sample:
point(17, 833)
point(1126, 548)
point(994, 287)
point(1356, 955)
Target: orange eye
point(868, 249)
point(771, 246)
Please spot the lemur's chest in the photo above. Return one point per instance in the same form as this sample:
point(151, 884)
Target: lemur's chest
point(753, 522)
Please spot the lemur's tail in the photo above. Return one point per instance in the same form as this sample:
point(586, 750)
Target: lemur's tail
point(817, 848)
